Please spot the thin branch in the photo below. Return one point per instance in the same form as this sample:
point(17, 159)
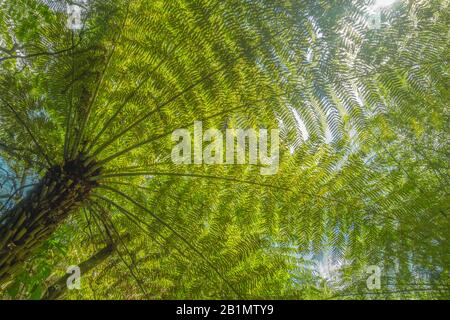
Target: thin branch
point(230, 179)
point(107, 221)
point(154, 138)
point(137, 221)
point(85, 119)
point(138, 281)
point(149, 114)
point(88, 219)
point(174, 98)
point(182, 238)
point(69, 113)
point(128, 99)
point(133, 218)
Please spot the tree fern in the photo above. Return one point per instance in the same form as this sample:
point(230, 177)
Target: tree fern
point(87, 118)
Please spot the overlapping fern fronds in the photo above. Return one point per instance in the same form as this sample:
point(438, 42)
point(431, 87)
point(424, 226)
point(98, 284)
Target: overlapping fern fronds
point(362, 115)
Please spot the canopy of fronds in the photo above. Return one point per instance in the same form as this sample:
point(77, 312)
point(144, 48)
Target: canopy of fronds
point(363, 175)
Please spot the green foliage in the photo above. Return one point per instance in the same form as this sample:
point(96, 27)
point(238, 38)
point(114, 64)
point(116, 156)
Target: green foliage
point(364, 127)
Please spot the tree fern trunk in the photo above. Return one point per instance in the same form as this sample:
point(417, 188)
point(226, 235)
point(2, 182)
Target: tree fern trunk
point(33, 220)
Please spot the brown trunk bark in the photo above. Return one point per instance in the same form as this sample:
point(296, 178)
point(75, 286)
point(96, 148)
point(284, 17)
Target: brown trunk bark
point(33, 220)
